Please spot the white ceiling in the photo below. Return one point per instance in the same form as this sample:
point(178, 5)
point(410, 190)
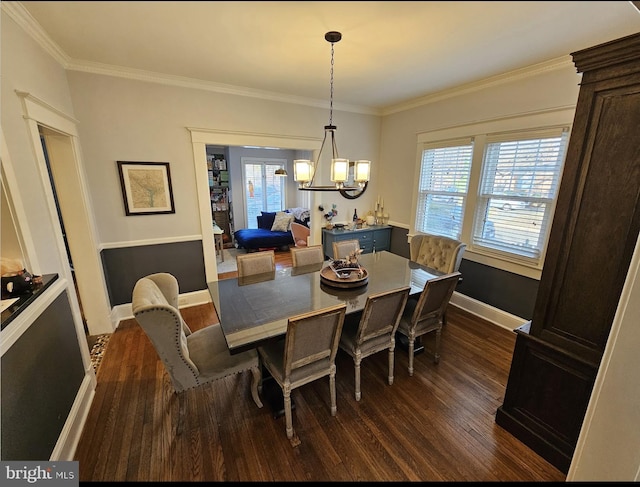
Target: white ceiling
point(390, 52)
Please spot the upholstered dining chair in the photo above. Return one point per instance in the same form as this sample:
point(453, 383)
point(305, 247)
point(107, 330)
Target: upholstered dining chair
point(437, 251)
point(256, 263)
point(301, 256)
point(342, 248)
point(307, 353)
point(300, 233)
point(191, 359)
point(425, 315)
point(375, 330)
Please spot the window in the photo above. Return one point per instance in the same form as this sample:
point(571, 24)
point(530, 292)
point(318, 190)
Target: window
point(443, 186)
point(494, 185)
point(518, 185)
point(263, 190)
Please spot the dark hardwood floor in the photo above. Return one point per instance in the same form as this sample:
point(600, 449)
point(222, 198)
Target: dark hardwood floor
point(438, 425)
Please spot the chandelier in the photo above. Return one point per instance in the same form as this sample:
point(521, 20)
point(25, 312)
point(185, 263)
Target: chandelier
point(345, 174)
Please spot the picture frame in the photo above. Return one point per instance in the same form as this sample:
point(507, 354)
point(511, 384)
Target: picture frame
point(146, 188)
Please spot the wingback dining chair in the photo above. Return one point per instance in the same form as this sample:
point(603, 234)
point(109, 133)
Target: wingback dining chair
point(425, 315)
point(437, 251)
point(375, 330)
point(307, 353)
point(256, 263)
point(301, 256)
point(191, 359)
point(342, 248)
point(300, 234)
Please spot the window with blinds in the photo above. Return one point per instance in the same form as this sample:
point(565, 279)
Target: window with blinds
point(518, 186)
point(443, 186)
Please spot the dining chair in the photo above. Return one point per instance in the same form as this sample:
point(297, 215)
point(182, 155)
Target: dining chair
point(191, 359)
point(307, 353)
point(437, 251)
point(425, 314)
point(256, 263)
point(300, 234)
point(375, 329)
point(342, 248)
point(301, 256)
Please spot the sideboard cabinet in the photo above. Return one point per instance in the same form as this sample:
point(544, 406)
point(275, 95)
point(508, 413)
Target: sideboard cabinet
point(595, 229)
point(373, 238)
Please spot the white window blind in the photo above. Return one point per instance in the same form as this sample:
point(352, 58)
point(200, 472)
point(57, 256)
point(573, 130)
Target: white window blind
point(519, 182)
point(443, 187)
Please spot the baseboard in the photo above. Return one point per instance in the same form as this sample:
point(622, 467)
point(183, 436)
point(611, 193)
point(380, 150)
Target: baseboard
point(65, 448)
point(487, 312)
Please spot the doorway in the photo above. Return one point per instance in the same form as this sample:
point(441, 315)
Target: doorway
point(64, 233)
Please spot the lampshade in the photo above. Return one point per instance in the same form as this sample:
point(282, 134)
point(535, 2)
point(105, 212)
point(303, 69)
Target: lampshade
point(304, 170)
point(361, 172)
point(281, 172)
point(339, 170)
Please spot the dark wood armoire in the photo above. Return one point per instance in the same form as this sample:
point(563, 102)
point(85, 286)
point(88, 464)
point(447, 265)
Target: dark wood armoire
point(595, 228)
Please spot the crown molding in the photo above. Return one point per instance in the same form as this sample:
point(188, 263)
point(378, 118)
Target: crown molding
point(26, 21)
point(518, 74)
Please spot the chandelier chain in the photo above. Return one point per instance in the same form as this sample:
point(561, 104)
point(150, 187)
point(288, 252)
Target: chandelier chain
point(331, 89)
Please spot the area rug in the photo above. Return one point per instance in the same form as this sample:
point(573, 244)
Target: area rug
point(98, 349)
point(229, 264)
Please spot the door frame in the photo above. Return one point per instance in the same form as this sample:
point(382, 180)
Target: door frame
point(200, 138)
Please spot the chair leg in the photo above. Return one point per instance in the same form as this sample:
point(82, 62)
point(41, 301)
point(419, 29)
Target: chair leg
point(332, 390)
point(391, 358)
point(256, 382)
point(356, 362)
point(436, 349)
point(286, 391)
point(412, 341)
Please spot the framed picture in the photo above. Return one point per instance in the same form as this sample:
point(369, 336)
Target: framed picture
point(146, 188)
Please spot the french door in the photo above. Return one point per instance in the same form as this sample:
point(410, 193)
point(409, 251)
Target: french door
point(262, 189)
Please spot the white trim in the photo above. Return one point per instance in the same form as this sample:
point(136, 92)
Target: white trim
point(202, 137)
point(60, 134)
point(20, 15)
point(486, 312)
point(511, 76)
point(65, 448)
point(151, 241)
point(554, 117)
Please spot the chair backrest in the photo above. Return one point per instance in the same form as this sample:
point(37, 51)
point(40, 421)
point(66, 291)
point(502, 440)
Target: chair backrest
point(311, 344)
point(434, 299)
point(256, 263)
point(301, 256)
point(381, 315)
point(300, 233)
point(436, 251)
point(154, 302)
point(342, 248)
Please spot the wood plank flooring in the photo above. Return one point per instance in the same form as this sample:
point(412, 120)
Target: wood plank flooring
point(438, 425)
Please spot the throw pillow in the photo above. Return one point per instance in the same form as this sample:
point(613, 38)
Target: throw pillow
point(268, 218)
point(282, 222)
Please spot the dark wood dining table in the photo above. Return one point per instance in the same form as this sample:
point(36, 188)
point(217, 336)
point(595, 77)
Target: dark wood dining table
point(255, 309)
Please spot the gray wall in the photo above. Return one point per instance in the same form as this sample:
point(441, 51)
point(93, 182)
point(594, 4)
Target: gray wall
point(41, 374)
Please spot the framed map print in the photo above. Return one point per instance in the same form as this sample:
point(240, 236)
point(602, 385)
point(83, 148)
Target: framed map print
point(146, 188)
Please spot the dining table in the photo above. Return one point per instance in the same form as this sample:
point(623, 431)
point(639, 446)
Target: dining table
point(255, 309)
